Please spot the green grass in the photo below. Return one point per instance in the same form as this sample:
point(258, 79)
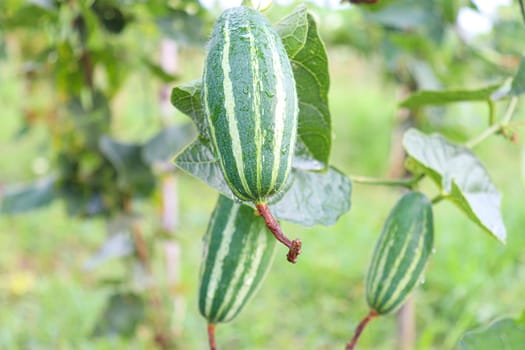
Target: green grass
point(48, 301)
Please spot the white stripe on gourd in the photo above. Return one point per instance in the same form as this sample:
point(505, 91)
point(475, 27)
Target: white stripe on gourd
point(280, 109)
point(257, 108)
point(223, 250)
point(229, 104)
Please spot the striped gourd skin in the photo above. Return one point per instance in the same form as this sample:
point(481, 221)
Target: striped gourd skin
point(250, 102)
point(401, 253)
point(238, 252)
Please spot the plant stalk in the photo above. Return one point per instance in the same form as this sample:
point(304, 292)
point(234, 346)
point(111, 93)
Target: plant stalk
point(495, 128)
point(492, 112)
point(162, 338)
point(274, 227)
point(211, 336)
point(438, 198)
point(360, 327)
point(522, 7)
point(407, 183)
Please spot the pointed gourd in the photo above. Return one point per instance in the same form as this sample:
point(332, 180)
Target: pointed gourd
point(250, 102)
point(401, 253)
point(238, 252)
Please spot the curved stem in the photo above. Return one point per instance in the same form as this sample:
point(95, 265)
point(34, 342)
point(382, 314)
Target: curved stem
point(211, 336)
point(495, 128)
point(438, 198)
point(522, 7)
point(360, 327)
point(492, 112)
point(407, 183)
point(274, 227)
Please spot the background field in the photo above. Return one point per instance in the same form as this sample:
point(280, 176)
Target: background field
point(49, 301)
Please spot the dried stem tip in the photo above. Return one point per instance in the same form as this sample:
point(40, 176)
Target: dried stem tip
point(274, 227)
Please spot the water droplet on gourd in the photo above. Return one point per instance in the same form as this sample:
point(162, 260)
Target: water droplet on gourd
point(422, 280)
point(433, 250)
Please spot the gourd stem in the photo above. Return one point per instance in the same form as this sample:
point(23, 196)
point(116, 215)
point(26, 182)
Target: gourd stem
point(438, 198)
point(407, 183)
point(359, 329)
point(274, 227)
point(211, 336)
point(495, 128)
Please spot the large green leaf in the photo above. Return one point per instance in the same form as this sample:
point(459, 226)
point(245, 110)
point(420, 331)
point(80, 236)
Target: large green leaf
point(307, 54)
point(518, 84)
point(23, 199)
point(315, 198)
point(198, 160)
point(182, 26)
point(119, 242)
point(310, 198)
point(400, 14)
point(187, 99)
point(158, 71)
point(123, 313)
point(167, 143)
point(505, 334)
point(441, 97)
point(459, 174)
point(134, 175)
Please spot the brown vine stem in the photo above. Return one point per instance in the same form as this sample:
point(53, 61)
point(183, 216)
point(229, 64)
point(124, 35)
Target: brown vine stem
point(274, 227)
point(211, 336)
point(360, 327)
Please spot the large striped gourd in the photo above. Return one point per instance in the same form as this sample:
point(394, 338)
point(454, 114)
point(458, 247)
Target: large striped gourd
point(250, 104)
point(401, 253)
point(238, 252)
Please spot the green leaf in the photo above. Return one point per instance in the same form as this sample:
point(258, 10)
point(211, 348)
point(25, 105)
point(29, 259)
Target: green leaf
point(311, 198)
point(134, 175)
point(182, 26)
point(441, 97)
point(459, 174)
point(315, 198)
point(505, 334)
point(187, 99)
point(116, 245)
point(518, 83)
point(158, 71)
point(23, 199)
point(91, 117)
point(400, 14)
point(123, 313)
point(110, 16)
point(33, 15)
point(307, 54)
point(198, 160)
point(167, 143)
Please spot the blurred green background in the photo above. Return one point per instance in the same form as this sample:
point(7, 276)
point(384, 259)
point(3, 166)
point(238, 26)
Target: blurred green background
point(49, 300)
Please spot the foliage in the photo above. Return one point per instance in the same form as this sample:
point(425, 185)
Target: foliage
point(503, 334)
point(83, 53)
point(79, 55)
